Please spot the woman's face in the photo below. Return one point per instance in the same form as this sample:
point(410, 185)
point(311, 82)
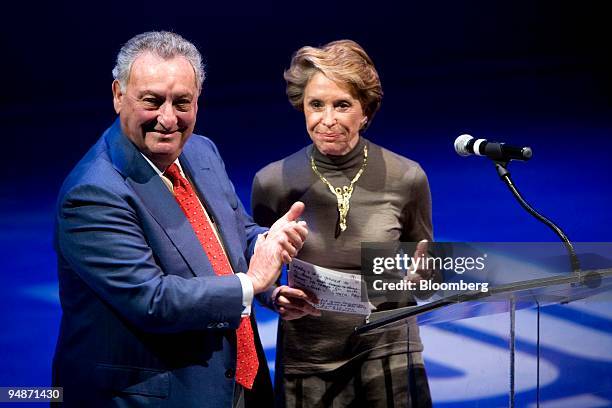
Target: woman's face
point(333, 115)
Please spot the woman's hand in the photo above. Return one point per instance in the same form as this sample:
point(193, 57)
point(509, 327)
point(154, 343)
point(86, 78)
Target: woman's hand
point(421, 273)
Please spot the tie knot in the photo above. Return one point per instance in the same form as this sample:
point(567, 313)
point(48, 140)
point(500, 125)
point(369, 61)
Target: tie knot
point(174, 175)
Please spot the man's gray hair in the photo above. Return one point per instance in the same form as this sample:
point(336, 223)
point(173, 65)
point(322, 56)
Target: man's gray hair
point(164, 44)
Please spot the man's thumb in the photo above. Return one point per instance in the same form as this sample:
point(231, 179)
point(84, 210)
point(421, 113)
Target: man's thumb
point(295, 211)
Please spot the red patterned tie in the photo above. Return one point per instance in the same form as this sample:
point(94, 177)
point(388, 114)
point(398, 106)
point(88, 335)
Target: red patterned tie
point(247, 363)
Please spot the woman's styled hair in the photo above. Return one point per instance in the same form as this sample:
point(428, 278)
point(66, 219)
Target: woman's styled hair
point(343, 62)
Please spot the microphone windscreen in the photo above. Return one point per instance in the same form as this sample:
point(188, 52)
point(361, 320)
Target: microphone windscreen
point(461, 144)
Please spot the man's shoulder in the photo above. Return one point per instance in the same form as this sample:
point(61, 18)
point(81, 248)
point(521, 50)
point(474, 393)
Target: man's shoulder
point(92, 166)
point(200, 143)
point(94, 171)
point(201, 149)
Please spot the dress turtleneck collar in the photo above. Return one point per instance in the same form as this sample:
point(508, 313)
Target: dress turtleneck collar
point(354, 158)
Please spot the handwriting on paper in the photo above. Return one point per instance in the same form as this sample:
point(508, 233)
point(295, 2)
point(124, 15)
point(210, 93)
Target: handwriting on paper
point(337, 291)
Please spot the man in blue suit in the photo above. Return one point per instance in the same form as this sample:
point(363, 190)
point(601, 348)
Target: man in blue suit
point(149, 319)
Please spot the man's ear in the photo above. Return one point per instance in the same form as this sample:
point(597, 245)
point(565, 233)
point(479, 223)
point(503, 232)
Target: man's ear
point(117, 96)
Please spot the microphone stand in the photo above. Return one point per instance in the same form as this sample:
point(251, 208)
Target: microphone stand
point(504, 174)
point(502, 169)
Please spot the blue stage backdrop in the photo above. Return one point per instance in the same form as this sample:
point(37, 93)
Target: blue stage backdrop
point(525, 72)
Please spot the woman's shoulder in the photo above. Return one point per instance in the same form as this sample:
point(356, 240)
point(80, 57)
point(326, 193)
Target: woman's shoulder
point(395, 163)
point(275, 170)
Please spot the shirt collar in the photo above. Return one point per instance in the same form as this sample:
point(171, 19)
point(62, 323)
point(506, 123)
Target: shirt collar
point(157, 170)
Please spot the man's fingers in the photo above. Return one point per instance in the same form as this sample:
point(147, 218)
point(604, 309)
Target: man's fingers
point(293, 237)
point(296, 302)
point(290, 243)
point(299, 293)
point(294, 212)
point(288, 229)
point(260, 239)
point(285, 257)
point(292, 234)
point(297, 305)
point(302, 229)
point(296, 230)
point(289, 314)
point(293, 303)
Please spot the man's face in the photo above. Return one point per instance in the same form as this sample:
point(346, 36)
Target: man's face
point(158, 107)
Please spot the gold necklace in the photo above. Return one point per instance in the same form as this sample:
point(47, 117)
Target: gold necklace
point(343, 194)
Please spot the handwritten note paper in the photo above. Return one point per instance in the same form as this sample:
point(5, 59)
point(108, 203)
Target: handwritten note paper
point(337, 291)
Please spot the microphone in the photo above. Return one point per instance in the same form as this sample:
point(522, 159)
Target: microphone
point(466, 145)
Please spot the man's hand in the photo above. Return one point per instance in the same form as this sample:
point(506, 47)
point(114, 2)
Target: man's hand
point(284, 240)
point(293, 303)
point(289, 232)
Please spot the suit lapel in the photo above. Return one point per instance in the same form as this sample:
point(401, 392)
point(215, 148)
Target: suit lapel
point(200, 171)
point(157, 199)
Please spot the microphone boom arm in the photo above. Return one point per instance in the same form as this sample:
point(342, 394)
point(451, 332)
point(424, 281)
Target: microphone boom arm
point(504, 174)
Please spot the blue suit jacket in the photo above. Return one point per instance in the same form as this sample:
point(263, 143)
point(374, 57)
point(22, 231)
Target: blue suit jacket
point(145, 319)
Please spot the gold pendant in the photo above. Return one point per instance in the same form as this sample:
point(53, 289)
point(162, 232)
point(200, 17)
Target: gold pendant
point(343, 195)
